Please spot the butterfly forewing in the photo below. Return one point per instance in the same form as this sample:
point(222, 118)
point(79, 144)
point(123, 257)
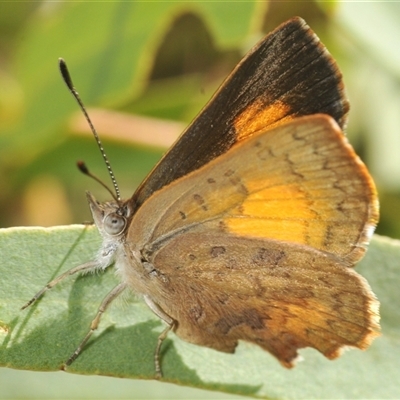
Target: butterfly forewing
point(288, 74)
point(300, 182)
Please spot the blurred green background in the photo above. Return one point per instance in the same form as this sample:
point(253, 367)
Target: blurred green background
point(160, 60)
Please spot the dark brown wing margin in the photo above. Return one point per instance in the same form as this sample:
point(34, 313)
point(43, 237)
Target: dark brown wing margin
point(289, 67)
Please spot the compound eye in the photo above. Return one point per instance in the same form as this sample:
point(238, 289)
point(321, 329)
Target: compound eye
point(114, 224)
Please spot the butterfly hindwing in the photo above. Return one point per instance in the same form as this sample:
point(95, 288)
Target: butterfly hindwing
point(226, 288)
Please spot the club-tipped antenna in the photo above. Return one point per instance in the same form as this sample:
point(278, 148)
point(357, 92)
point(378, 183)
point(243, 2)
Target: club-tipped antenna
point(85, 170)
point(67, 79)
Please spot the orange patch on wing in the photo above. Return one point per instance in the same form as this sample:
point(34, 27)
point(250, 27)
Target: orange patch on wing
point(283, 202)
point(281, 213)
point(257, 117)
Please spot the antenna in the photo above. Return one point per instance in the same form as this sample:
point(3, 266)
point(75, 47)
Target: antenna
point(67, 79)
point(85, 170)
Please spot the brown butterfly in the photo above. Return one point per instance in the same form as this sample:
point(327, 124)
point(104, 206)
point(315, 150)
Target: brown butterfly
point(249, 226)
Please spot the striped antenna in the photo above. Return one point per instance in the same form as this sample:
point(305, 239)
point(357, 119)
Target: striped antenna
point(67, 79)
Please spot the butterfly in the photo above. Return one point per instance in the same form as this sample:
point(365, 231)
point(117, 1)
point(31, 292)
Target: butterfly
point(250, 225)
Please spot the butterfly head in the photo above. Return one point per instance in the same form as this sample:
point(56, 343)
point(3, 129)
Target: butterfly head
point(111, 218)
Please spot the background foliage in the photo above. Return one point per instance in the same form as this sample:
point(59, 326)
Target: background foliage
point(164, 60)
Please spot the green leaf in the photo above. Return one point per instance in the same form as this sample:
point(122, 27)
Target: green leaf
point(43, 336)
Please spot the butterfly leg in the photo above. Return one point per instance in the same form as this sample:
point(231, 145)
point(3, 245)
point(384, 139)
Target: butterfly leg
point(95, 323)
point(169, 321)
point(80, 268)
